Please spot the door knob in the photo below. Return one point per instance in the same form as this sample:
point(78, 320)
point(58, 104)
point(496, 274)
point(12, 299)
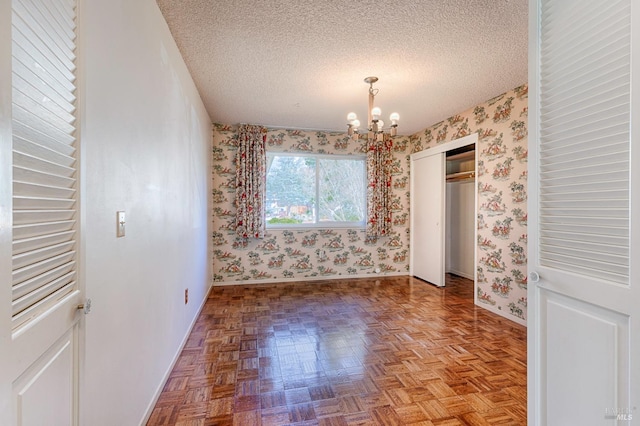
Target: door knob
point(85, 307)
point(534, 277)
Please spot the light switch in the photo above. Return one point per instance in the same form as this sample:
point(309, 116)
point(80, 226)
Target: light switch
point(120, 224)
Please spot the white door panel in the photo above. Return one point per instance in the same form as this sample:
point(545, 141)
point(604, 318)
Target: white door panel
point(37, 337)
point(569, 353)
point(427, 218)
point(44, 394)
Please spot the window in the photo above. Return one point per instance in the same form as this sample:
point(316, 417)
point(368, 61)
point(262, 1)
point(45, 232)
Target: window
point(307, 190)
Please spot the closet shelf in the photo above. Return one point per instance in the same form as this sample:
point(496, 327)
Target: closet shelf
point(460, 176)
point(463, 156)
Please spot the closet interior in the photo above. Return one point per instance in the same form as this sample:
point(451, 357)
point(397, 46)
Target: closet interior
point(460, 211)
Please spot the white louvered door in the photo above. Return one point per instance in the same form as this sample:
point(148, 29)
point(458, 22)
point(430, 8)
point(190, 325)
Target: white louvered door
point(584, 213)
point(45, 291)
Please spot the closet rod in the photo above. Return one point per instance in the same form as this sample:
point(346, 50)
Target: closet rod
point(460, 176)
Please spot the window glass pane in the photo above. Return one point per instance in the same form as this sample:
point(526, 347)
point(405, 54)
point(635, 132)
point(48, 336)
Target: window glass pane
point(341, 190)
point(314, 190)
point(291, 190)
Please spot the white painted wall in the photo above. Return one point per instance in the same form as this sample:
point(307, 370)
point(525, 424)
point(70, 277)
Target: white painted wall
point(145, 150)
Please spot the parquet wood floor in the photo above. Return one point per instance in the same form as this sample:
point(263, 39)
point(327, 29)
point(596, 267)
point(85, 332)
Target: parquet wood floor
point(391, 351)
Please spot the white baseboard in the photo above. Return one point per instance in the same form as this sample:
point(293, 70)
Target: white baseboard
point(462, 274)
point(176, 356)
point(372, 276)
point(502, 313)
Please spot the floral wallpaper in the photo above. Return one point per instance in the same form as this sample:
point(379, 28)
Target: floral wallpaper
point(501, 124)
point(309, 253)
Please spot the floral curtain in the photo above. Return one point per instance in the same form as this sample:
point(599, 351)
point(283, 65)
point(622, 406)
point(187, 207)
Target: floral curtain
point(379, 161)
point(251, 163)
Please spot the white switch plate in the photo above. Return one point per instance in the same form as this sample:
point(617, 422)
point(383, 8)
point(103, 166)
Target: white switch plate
point(120, 222)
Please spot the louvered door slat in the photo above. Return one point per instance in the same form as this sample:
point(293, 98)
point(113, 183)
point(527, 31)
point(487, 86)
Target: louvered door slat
point(63, 21)
point(34, 270)
point(582, 176)
point(563, 159)
point(39, 241)
point(30, 75)
point(42, 112)
point(585, 229)
point(596, 254)
point(600, 108)
point(55, 105)
point(33, 20)
point(28, 119)
point(583, 19)
point(576, 131)
point(28, 36)
point(35, 256)
point(44, 154)
point(587, 139)
point(48, 294)
point(580, 170)
point(584, 139)
point(29, 286)
point(22, 188)
point(63, 88)
point(46, 179)
point(621, 203)
point(564, 210)
point(57, 33)
point(617, 247)
point(66, 8)
point(586, 20)
point(613, 194)
point(32, 149)
point(25, 134)
point(26, 203)
point(25, 217)
point(591, 220)
point(30, 165)
point(44, 228)
point(590, 237)
point(594, 188)
point(618, 275)
point(590, 31)
point(582, 64)
point(591, 89)
point(41, 292)
point(42, 59)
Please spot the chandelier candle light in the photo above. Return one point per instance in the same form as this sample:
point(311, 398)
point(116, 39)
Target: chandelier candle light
point(375, 126)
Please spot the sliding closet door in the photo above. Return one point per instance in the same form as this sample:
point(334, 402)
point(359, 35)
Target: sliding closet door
point(427, 217)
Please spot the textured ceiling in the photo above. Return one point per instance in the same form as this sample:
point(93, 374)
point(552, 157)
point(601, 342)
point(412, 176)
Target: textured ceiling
point(301, 63)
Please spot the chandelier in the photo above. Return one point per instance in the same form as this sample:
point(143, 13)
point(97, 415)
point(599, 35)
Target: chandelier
point(375, 126)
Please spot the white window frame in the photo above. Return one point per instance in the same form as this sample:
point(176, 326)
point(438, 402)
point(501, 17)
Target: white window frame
point(317, 224)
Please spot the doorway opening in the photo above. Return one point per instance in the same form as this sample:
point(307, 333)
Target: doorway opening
point(443, 211)
point(460, 211)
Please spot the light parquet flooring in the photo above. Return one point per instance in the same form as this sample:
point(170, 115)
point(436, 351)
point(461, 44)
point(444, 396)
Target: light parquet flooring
point(391, 351)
